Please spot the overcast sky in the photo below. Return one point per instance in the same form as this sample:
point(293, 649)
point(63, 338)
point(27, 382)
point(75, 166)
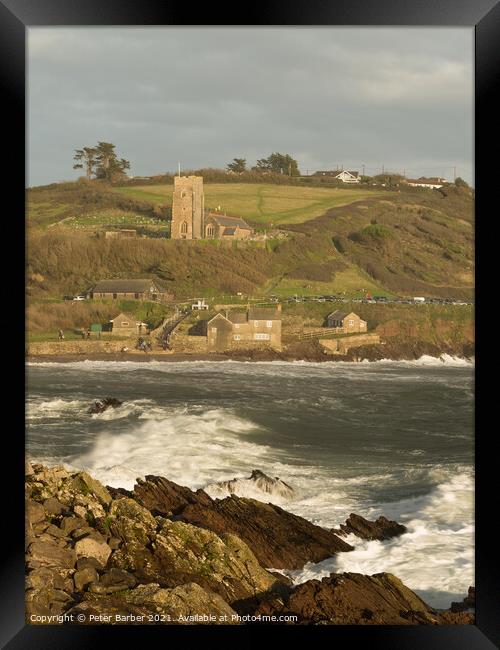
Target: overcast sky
point(402, 98)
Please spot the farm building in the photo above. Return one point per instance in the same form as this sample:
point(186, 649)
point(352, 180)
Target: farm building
point(257, 327)
point(431, 183)
point(146, 289)
point(349, 322)
point(341, 175)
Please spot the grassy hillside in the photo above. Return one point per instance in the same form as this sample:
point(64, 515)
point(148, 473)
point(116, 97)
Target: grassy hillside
point(413, 242)
point(266, 204)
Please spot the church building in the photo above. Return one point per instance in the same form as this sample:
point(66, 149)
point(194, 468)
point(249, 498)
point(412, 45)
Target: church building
point(190, 220)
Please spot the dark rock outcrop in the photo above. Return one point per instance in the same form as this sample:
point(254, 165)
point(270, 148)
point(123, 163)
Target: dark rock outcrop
point(469, 602)
point(89, 552)
point(380, 529)
point(99, 406)
point(278, 539)
point(349, 599)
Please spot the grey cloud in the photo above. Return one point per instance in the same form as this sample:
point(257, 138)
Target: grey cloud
point(399, 97)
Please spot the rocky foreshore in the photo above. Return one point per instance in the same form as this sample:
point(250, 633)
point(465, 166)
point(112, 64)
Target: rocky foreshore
point(164, 554)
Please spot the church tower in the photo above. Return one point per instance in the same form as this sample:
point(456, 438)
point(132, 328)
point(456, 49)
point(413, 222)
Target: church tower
point(188, 208)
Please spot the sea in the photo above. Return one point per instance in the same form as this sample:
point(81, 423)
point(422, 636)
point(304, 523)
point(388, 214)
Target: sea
point(391, 438)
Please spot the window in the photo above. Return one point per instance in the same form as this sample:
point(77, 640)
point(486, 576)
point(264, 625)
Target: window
point(269, 323)
point(351, 323)
point(184, 228)
point(124, 323)
point(114, 296)
point(210, 230)
point(237, 337)
point(261, 336)
point(136, 295)
point(237, 326)
point(256, 323)
point(183, 194)
point(214, 330)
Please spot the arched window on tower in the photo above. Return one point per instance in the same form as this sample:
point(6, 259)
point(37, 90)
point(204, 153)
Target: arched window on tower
point(210, 230)
point(184, 229)
point(183, 194)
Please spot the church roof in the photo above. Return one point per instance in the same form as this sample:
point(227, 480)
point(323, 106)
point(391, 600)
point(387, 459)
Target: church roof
point(231, 222)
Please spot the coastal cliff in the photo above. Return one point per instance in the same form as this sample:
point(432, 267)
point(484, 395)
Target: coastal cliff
point(162, 553)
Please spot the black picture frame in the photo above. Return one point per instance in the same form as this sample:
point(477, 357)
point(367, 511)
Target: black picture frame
point(15, 17)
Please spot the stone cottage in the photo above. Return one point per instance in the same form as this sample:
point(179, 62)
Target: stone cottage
point(257, 327)
point(127, 325)
point(348, 321)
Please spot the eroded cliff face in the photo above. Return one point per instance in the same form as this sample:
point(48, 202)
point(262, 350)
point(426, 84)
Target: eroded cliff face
point(164, 554)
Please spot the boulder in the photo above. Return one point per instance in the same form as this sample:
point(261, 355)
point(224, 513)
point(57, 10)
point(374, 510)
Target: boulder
point(380, 529)
point(48, 553)
point(69, 524)
point(50, 577)
point(35, 512)
point(91, 547)
point(53, 506)
point(99, 406)
point(185, 603)
point(84, 577)
point(46, 601)
point(83, 483)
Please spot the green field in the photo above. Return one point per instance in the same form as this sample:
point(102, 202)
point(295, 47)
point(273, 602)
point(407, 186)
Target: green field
point(260, 203)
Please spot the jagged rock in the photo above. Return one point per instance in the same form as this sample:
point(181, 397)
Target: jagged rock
point(278, 538)
point(380, 529)
point(35, 512)
point(469, 602)
point(99, 406)
point(46, 601)
point(69, 524)
point(54, 531)
point(84, 577)
point(81, 532)
point(88, 562)
point(185, 602)
point(353, 599)
point(84, 484)
point(152, 604)
point(257, 481)
point(163, 497)
point(49, 577)
point(80, 512)
point(118, 576)
point(53, 506)
point(90, 547)
point(171, 553)
point(48, 553)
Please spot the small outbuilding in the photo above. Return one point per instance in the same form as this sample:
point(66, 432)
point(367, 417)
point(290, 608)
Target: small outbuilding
point(348, 321)
point(127, 325)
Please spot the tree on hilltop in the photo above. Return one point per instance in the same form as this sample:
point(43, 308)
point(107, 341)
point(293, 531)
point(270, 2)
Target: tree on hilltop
point(238, 166)
point(278, 163)
point(86, 158)
point(101, 161)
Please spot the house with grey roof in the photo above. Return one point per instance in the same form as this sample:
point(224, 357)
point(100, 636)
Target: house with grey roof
point(348, 321)
point(255, 328)
point(129, 289)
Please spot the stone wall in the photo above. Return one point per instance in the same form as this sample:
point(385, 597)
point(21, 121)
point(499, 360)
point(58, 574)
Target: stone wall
point(184, 343)
point(342, 345)
point(77, 347)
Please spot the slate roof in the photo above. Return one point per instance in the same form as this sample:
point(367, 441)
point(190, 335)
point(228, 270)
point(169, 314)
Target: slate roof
point(231, 222)
point(263, 313)
point(337, 315)
point(125, 286)
point(237, 316)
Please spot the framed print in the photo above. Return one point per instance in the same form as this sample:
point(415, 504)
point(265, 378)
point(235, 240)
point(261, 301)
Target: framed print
point(252, 401)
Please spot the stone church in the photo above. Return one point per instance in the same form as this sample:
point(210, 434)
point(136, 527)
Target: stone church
point(190, 220)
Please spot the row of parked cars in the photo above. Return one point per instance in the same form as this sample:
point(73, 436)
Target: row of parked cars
point(373, 299)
